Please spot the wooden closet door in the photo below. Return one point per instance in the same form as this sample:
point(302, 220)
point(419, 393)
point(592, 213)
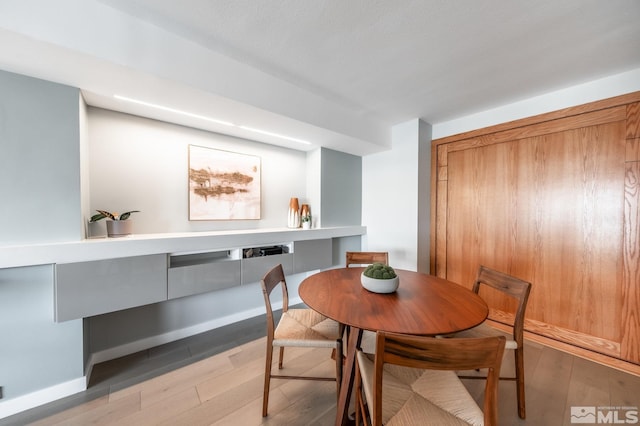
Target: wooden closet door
point(547, 209)
point(545, 204)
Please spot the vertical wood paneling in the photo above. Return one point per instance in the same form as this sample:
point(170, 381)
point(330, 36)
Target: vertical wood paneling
point(633, 149)
point(440, 230)
point(546, 209)
point(553, 199)
point(630, 344)
point(433, 207)
point(633, 120)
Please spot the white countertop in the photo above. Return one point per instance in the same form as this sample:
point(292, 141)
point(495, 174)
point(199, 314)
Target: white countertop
point(145, 244)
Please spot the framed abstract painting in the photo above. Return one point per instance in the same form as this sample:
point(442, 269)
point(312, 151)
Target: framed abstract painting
point(223, 185)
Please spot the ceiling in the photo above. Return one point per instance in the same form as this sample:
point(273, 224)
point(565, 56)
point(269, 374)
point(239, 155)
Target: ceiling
point(337, 73)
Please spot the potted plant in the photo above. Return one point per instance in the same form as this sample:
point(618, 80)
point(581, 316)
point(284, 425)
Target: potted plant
point(306, 221)
point(380, 278)
point(118, 226)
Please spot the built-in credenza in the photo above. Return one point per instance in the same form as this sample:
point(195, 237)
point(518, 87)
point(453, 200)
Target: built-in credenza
point(84, 289)
point(88, 288)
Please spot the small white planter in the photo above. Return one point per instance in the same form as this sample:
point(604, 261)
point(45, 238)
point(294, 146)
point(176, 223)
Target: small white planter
point(378, 285)
point(96, 229)
point(119, 228)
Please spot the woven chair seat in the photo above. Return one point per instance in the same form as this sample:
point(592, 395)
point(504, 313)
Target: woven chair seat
point(484, 330)
point(412, 395)
point(306, 328)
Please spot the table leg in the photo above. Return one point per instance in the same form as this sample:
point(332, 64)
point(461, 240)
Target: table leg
point(348, 377)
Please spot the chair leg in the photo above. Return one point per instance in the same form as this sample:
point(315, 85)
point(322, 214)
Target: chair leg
point(339, 364)
point(519, 358)
point(358, 391)
point(281, 357)
point(267, 379)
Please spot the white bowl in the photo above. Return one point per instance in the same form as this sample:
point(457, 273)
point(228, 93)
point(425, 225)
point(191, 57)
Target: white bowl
point(380, 285)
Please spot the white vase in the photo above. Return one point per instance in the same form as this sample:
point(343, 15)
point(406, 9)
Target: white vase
point(293, 218)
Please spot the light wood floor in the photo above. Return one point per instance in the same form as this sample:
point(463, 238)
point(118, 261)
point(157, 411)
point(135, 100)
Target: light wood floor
point(226, 389)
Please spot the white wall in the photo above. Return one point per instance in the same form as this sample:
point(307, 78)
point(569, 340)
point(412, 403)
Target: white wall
point(142, 164)
point(390, 196)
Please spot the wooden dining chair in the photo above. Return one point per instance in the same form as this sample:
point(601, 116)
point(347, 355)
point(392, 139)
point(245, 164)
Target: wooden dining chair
point(518, 290)
point(411, 380)
point(296, 328)
point(366, 257)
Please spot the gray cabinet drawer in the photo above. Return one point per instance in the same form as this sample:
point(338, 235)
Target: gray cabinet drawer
point(203, 277)
point(254, 268)
point(85, 289)
point(312, 254)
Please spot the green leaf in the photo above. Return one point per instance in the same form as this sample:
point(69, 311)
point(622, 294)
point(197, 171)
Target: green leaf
point(106, 214)
point(379, 271)
point(125, 215)
point(97, 217)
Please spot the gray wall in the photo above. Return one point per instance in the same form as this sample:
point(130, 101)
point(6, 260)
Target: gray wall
point(36, 352)
point(39, 161)
point(39, 189)
point(341, 188)
point(341, 194)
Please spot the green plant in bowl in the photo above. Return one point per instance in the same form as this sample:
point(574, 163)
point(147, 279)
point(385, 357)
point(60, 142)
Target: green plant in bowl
point(380, 278)
point(379, 271)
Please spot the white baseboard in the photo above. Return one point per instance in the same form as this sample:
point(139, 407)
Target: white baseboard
point(21, 403)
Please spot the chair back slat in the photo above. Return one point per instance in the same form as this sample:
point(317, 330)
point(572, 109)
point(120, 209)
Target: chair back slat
point(511, 286)
point(270, 281)
point(366, 257)
point(508, 284)
point(272, 278)
point(441, 354)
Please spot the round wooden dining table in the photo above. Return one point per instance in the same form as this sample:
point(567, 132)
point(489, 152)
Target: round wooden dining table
point(423, 305)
